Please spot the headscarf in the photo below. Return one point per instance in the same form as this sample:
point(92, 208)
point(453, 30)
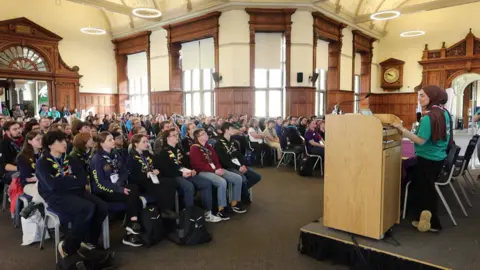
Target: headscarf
point(436, 112)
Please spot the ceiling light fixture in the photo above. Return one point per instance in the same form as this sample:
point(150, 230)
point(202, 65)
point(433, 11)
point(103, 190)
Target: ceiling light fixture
point(147, 13)
point(93, 31)
point(385, 15)
point(414, 33)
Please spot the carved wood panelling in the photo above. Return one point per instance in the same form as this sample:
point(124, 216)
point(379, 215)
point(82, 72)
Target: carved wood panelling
point(102, 103)
point(476, 46)
point(301, 101)
point(167, 102)
point(234, 100)
point(441, 67)
point(136, 43)
point(63, 81)
point(403, 105)
point(363, 44)
point(337, 97)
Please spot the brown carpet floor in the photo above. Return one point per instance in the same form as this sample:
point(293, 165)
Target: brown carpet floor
point(264, 238)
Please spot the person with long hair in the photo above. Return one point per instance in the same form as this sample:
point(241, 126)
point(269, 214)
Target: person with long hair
point(80, 157)
point(189, 140)
point(109, 182)
point(65, 194)
point(144, 174)
point(26, 160)
point(434, 135)
point(257, 142)
point(204, 160)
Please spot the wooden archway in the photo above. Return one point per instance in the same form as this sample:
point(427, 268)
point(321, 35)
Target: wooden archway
point(441, 67)
point(63, 81)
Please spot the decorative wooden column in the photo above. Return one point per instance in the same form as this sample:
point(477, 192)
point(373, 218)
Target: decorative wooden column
point(330, 30)
point(270, 20)
point(136, 43)
point(363, 44)
point(202, 27)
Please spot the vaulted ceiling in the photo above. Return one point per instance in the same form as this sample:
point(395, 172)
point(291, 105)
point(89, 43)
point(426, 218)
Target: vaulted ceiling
point(355, 12)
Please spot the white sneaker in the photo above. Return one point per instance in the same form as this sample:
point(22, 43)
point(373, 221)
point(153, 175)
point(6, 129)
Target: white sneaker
point(211, 218)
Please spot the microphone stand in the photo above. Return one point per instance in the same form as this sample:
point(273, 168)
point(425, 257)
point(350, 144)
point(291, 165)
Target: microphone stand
point(337, 111)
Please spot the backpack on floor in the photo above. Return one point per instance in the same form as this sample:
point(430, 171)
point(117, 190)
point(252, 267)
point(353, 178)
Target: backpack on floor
point(97, 260)
point(153, 230)
point(305, 167)
point(191, 228)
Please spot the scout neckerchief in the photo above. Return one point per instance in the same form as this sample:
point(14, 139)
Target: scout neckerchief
point(111, 163)
point(206, 152)
point(176, 157)
point(34, 160)
point(146, 162)
point(61, 165)
point(190, 142)
point(228, 146)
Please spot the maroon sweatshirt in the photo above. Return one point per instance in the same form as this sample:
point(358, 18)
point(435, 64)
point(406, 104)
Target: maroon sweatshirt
point(201, 157)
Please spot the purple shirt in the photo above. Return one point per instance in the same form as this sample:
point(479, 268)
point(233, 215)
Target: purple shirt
point(312, 135)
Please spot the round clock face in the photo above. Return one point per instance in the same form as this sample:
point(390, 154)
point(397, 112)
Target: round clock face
point(391, 75)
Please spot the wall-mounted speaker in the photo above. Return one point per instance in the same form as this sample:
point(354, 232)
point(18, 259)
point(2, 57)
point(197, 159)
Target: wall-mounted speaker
point(299, 77)
point(314, 77)
point(216, 77)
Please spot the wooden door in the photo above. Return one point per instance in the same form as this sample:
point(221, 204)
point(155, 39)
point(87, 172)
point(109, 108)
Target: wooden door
point(65, 95)
point(467, 93)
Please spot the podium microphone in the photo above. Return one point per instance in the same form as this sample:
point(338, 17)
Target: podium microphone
point(348, 101)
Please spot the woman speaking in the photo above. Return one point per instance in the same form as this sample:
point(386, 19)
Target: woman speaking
point(431, 141)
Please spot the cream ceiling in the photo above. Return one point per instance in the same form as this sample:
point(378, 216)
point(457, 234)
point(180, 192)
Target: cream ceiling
point(353, 12)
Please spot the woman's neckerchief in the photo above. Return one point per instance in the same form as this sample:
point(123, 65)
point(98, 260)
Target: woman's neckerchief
point(61, 165)
point(190, 142)
point(33, 160)
point(145, 161)
point(176, 157)
point(112, 163)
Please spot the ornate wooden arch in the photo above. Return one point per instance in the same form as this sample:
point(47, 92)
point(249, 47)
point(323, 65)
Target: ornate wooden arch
point(63, 81)
point(441, 67)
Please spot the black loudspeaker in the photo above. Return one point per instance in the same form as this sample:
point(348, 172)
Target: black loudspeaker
point(299, 77)
point(314, 77)
point(216, 77)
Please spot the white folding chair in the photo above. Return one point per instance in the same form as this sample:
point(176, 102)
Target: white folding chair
point(288, 152)
point(317, 157)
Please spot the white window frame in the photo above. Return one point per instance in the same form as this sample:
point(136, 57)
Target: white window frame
point(189, 94)
point(321, 92)
point(356, 93)
point(138, 94)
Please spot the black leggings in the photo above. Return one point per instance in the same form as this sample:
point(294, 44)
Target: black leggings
point(425, 174)
point(258, 149)
point(134, 204)
point(164, 193)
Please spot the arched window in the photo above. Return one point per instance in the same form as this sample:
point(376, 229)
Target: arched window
point(18, 57)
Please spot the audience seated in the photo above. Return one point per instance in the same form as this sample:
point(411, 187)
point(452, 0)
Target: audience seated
point(65, 193)
point(257, 142)
point(313, 140)
point(205, 161)
point(188, 140)
point(158, 145)
point(272, 139)
point(10, 147)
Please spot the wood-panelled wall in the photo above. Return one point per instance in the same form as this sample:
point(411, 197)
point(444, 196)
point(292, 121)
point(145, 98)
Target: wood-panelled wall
point(166, 102)
point(102, 103)
point(336, 97)
point(234, 100)
point(403, 105)
point(300, 101)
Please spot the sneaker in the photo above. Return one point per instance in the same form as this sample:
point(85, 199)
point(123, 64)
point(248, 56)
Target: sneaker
point(239, 208)
point(223, 215)
point(209, 217)
point(424, 224)
point(132, 240)
point(61, 250)
point(88, 246)
point(134, 227)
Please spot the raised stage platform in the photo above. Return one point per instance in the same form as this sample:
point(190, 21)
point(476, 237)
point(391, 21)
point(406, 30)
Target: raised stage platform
point(453, 248)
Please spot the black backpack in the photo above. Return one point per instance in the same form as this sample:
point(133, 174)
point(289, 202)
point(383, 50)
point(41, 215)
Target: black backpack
point(306, 167)
point(191, 228)
point(97, 260)
point(153, 230)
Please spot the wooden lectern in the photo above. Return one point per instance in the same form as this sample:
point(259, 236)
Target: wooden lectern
point(363, 163)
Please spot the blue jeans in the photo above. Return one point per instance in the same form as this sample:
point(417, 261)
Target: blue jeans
point(221, 183)
point(249, 179)
point(188, 186)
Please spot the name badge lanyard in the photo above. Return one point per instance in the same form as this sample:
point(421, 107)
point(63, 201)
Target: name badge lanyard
point(113, 162)
point(60, 165)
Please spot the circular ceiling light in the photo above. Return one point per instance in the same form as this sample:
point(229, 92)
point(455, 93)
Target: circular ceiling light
point(147, 13)
point(385, 15)
point(414, 33)
point(93, 31)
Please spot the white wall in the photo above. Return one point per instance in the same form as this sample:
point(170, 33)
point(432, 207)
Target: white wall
point(302, 47)
point(94, 55)
point(159, 66)
point(450, 25)
point(346, 57)
point(234, 48)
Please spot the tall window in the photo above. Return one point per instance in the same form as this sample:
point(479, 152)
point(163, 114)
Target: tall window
point(138, 83)
point(198, 85)
point(269, 74)
point(356, 85)
point(24, 58)
point(321, 93)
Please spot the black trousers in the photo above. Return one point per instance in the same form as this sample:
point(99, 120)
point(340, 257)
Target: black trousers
point(134, 204)
point(425, 174)
point(258, 149)
point(164, 193)
point(242, 141)
point(86, 212)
